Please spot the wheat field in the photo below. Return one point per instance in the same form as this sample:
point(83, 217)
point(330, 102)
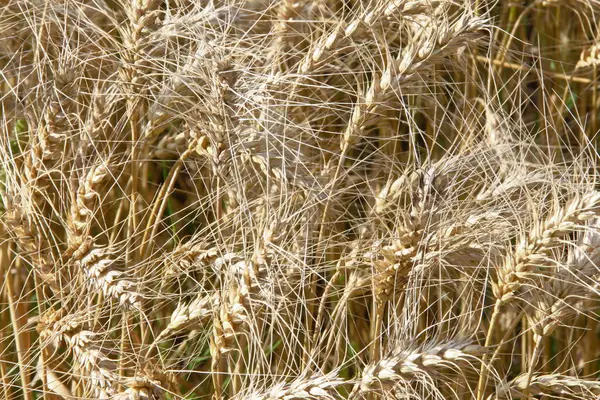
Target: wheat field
point(299, 200)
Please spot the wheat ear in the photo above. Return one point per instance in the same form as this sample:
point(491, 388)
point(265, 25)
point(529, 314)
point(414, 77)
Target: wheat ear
point(96, 368)
point(532, 256)
point(194, 314)
point(552, 385)
point(430, 361)
point(317, 387)
point(98, 266)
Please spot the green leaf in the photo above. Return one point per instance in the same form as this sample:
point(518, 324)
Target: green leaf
point(272, 348)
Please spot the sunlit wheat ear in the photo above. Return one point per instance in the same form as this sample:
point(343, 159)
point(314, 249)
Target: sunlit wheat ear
point(50, 126)
point(552, 385)
point(316, 387)
point(431, 362)
point(142, 17)
point(191, 315)
point(563, 295)
point(589, 57)
point(84, 204)
point(374, 19)
point(432, 43)
point(393, 263)
point(550, 307)
point(90, 364)
point(30, 241)
point(59, 121)
point(98, 265)
point(533, 253)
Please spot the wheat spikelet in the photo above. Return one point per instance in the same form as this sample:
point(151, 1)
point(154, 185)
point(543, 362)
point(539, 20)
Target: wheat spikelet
point(98, 266)
point(143, 386)
point(189, 315)
point(588, 58)
point(82, 210)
